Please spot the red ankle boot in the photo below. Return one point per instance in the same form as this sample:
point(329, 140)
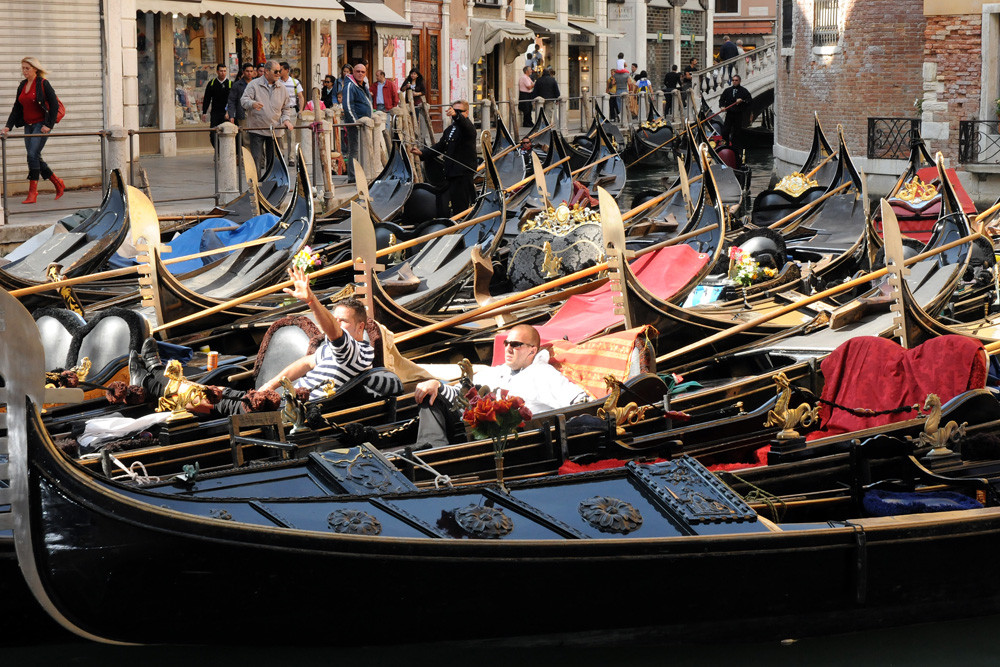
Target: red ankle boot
point(58, 183)
point(32, 193)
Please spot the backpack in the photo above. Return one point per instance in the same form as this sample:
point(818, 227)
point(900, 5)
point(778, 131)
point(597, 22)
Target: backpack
point(62, 109)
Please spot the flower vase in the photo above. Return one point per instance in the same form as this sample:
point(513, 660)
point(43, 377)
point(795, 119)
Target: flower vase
point(499, 445)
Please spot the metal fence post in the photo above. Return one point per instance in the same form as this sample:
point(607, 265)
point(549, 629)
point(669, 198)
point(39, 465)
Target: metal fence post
point(3, 150)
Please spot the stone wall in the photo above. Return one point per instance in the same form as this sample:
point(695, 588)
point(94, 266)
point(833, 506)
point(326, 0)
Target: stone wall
point(952, 78)
point(874, 70)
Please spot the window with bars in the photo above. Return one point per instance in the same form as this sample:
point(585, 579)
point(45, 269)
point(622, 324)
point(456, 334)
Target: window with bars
point(825, 30)
point(787, 23)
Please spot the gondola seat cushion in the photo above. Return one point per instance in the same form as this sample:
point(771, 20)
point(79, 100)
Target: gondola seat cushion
point(879, 502)
point(624, 355)
point(56, 327)
point(877, 374)
point(107, 340)
point(286, 340)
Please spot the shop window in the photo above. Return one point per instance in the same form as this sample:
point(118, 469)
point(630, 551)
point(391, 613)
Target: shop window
point(283, 40)
point(581, 8)
point(244, 40)
point(540, 6)
point(196, 53)
point(145, 46)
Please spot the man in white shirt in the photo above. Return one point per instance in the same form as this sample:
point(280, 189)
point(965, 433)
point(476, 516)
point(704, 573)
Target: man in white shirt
point(525, 373)
point(295, 92)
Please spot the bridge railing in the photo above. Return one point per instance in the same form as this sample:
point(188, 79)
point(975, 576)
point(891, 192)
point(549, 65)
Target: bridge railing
point(978, 142)
point(889, 138)
point(755, 68)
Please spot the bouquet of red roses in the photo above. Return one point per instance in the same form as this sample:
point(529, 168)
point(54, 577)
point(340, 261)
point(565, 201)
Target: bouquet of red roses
point(496, 418)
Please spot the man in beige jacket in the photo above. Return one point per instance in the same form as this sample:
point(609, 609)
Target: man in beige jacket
point(267, 105)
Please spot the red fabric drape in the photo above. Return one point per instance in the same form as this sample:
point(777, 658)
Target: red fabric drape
point(878, 374)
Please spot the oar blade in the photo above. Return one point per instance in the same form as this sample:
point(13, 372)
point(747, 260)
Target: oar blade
point(540, 178)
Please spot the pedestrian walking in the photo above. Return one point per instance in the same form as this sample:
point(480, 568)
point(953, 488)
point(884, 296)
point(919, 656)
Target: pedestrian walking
point(267, 104)
point(384, 93)
point(525, 85)
point(36, 108)
point(213, 107)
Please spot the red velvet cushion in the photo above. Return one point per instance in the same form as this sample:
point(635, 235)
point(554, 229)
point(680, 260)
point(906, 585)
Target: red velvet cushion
point(878, 374)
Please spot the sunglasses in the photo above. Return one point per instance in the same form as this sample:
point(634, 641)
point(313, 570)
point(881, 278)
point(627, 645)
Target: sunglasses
point(515, 344)
point(276, 71)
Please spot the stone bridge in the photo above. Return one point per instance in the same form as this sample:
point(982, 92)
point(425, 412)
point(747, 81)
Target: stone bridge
point(756, 69)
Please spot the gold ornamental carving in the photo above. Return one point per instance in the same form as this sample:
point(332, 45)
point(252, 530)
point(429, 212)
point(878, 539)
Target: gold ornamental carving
point(631, 413)
point(916, 191)
point(795, 184)
point(787, 417)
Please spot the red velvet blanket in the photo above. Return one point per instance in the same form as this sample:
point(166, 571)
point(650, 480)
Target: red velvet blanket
point(878, 374)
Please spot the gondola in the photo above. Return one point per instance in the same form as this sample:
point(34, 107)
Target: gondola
point(274, 185)
point(607, 168)
point(80, 251)
point(510, 166)
point(800, 187)
point(240, 272)
point(733, 183)
point(82, 543)
point(649, 145)
point(917, 197)
point(406, 292)
point(581, 146)
point(558, 183)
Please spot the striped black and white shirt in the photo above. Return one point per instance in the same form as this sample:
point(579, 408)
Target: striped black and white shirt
point(337, 360)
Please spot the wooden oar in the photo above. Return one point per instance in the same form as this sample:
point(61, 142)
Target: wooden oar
point(767, 317)
point(802, 209)
point(527, 179)
point(987, 213)
point(124, 271)
point(593, 164)
point(340, 266)
point(513, 146)
point(820, 165)
point(646, 205)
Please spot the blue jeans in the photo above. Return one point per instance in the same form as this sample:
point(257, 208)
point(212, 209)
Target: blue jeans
point(34, 146)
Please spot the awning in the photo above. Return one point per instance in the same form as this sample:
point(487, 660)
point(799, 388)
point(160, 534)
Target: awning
point(550, 26)
point(488, 33)
point(743, 27)
point(326, 10)
point(596, 30)
point(387, 22)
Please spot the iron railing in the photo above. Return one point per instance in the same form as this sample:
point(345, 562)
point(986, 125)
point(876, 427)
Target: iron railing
point(978, 142)
point(825, 27)
point(889, 138)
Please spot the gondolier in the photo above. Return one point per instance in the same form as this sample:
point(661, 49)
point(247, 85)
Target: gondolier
point(458, 146)
point(738, 116)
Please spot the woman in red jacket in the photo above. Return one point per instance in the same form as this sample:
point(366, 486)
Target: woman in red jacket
point(35, 108)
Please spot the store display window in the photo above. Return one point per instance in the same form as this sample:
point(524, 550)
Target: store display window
point(197, 50)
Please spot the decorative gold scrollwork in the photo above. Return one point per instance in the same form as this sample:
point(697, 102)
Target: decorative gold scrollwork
point(786, 416)
point(916, 191)
point(795, 184)
point(631, 413)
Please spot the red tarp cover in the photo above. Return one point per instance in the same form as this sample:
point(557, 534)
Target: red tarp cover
point(663, 273)
point(878, 374)
point(928, 174)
